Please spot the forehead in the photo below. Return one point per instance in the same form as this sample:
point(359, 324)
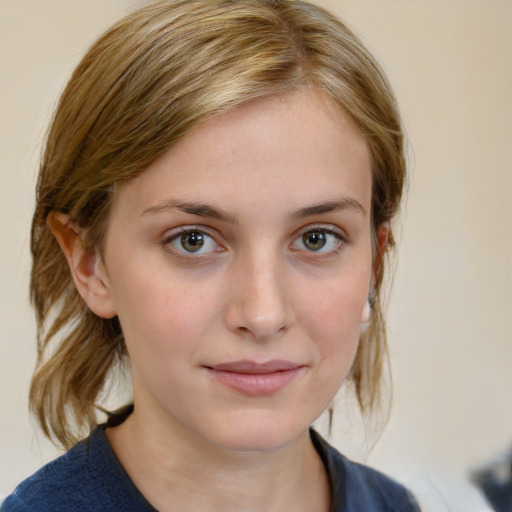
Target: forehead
point(287, 149)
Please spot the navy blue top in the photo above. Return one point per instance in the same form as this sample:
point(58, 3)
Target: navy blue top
point(90, 478)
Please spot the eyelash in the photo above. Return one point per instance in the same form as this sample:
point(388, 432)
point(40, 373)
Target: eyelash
point(188, 230)
point(340, 240)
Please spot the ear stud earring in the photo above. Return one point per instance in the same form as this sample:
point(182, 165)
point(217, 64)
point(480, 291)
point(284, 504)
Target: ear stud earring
point(365, 315)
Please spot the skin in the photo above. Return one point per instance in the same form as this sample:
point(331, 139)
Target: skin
point(258, 183)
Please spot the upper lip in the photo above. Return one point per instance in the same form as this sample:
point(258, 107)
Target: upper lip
point(252, 367)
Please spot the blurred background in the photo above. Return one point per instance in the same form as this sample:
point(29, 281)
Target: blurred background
point(450, 309)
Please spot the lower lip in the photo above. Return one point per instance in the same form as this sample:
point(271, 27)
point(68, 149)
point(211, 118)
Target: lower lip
point(261, 384)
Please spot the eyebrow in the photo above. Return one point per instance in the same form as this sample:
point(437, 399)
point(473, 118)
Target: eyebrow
point(199, 209)
point(345, 203)
point(206, 210)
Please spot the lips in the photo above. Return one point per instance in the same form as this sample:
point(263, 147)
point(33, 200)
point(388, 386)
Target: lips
point(255, 379)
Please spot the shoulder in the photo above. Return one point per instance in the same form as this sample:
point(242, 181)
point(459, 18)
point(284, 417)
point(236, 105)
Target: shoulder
point(86, 478)
point(58, 480)
point(358, 487)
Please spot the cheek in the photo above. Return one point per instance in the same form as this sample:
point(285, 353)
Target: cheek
point(331, 318)
point(162, 315)
point(332, 314)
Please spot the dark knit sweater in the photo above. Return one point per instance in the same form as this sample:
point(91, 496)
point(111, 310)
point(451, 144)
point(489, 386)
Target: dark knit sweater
point(90, 478)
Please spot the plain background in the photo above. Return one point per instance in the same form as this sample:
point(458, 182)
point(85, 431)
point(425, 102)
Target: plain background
point(450, 314)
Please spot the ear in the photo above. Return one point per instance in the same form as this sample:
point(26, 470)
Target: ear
point(87, 268)
point(382, 242)
point(380, 249)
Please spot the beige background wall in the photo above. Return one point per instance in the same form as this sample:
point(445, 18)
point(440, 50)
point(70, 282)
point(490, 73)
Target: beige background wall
point(451, 306)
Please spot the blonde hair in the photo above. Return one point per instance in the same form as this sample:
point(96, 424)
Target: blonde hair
point(141, 87)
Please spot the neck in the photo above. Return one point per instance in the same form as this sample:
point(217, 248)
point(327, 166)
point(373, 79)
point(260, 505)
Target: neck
point(176, 472)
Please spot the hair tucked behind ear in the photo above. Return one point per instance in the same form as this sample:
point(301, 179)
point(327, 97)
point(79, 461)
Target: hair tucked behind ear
point(141, 87)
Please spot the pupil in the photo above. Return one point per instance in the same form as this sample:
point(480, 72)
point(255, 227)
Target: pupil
point(192, 242)
point(314, 240)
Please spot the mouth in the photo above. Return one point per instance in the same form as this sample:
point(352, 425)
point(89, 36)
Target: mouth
point(256, 379)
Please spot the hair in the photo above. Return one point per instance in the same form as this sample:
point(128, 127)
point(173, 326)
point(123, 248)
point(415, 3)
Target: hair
point(143, 86)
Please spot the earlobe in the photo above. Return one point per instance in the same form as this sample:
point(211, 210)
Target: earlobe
point(86, 267)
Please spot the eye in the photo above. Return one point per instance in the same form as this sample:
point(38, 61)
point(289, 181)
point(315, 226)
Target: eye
point(192, 241)
point(318, 240)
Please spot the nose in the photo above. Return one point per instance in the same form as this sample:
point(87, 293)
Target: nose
point(259, 306)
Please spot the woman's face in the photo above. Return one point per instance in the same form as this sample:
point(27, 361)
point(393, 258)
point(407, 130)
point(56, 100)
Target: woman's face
point(239, 265)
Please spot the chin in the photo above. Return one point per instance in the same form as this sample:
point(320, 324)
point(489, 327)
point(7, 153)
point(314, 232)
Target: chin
point(258, 435)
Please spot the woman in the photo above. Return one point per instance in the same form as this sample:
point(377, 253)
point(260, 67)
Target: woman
point(213, 212)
